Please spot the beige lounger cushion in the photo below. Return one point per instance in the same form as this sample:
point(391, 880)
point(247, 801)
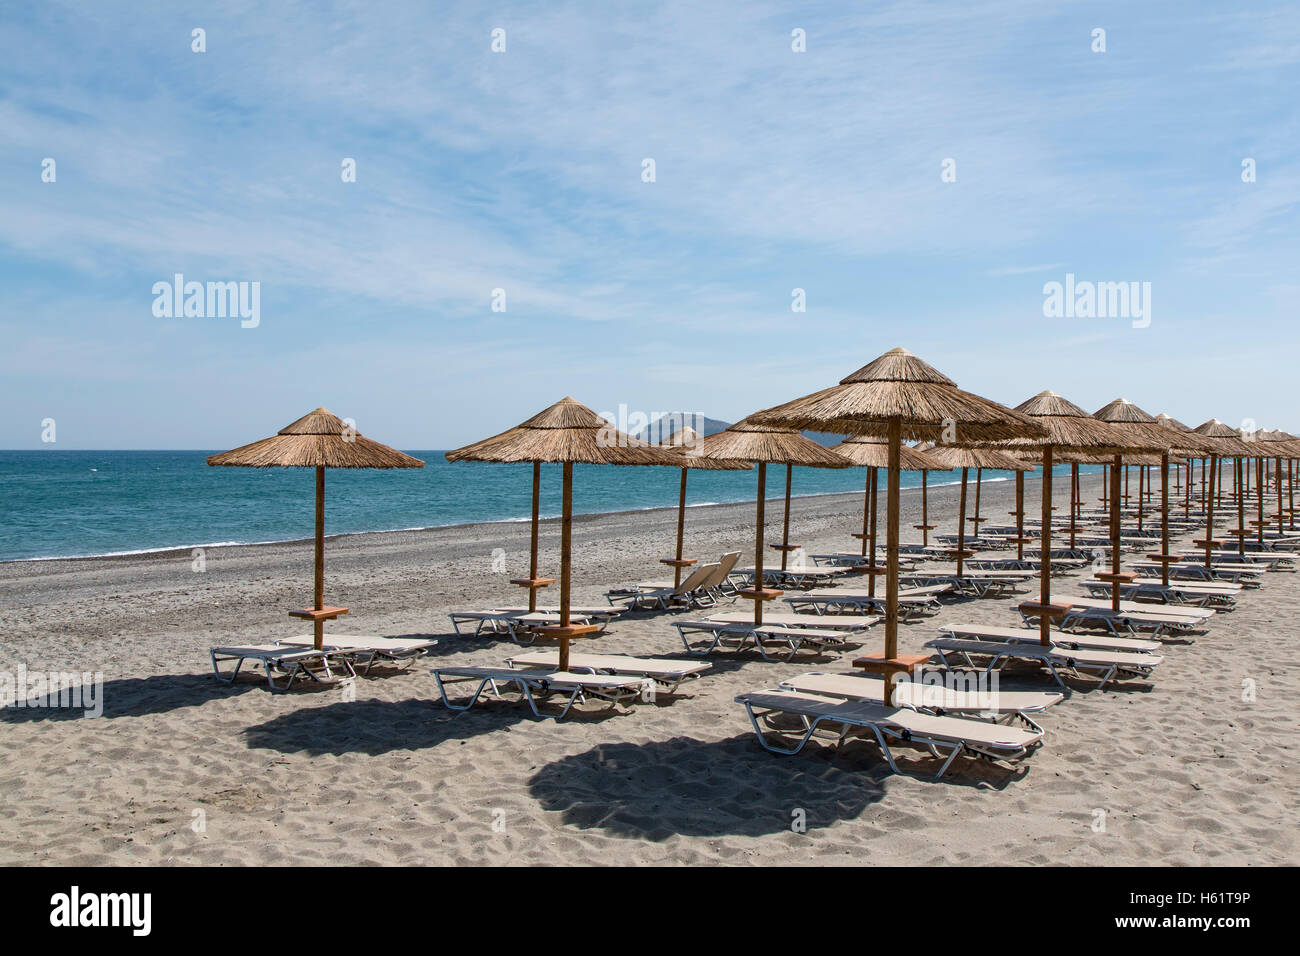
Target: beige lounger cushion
point(859, 712)
point(833, 622)
point(1031, 635)
point(642, 666)
point(914, 694)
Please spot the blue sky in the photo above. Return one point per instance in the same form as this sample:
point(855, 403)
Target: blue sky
point(522, 170)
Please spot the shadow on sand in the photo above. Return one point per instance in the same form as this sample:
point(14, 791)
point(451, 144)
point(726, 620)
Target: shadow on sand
point(687, 787)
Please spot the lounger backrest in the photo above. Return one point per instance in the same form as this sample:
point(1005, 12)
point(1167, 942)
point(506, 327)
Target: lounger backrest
point(696, 579)
point(724, 569)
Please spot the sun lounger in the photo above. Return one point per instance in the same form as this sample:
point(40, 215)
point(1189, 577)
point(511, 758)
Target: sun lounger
point(774, 642)
point(536, 685)
point(368, 649)
point(668, 673)
point(954, 734)
point(793, 577)
point(989, 632)
point(1221, 596)
point(912, 602)
point(834, 622)
point(1104, 665)
point(284, 664)
point(517, 624)
point(693, 591)
point(1131, 617)
point(1000, 706)
point(1248, 576)
point(1201, 614)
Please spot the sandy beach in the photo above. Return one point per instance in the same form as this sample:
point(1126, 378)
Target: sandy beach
point(181, 769)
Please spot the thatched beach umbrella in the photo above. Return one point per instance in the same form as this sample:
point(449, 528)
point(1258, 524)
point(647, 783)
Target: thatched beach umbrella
point(874, 454)
point(952, 458)
point(318, 440)
point(1070, 429)
point(685, 444)
point(1279, 445)
point(748, 441)
point(1226, 442)
point(894, 395)
point(925, 527)
point(566, 433)
point(1179, 428)
point(1159, 438)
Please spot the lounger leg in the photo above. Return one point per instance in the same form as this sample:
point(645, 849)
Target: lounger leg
point(959, 749)
point(884, 748)
point(239, 662)
point(442, 691)
point(762, 740)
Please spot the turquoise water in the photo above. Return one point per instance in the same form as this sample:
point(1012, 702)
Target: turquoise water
point(77, 503)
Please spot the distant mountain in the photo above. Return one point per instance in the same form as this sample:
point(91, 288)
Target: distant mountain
point(662, 429)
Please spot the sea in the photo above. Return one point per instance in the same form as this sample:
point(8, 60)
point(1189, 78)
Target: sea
point(59, 504)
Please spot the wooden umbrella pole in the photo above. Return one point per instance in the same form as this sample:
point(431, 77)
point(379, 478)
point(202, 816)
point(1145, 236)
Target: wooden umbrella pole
point(1164, 517)
point(1290, 485)
point(1020, 516)
point(681, 530)
point(1187, 491)
point(961, 523)
point(891, 551)
point(866, 509)
point(1105, 486)
point(318, 625)
point(1114, 531)
point(1045, 568)
point(1142, 470)
point(1259, 489)
point(1207, 486)
point(875, 521)
point(1074, 499)
point(758, 541)
point(1279, 496)
point(1238, 466)
point(925, 509)
point(979, 484)
point(566, 561)
point(532, 547)
point(785, 528)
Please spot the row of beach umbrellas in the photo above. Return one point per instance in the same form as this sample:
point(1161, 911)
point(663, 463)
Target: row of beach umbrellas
point(894, 399)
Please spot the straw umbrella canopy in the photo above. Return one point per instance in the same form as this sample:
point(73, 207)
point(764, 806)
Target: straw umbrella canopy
point(748, 441)
point(1279, 445)
point(873, 452)
point(1175, 425)
point(1071, 431)
point(897, 394)
point(925, 527)
point(1154, 436)
point(685, 444)
point(1225, 442)
point(318, 440)
point(566, 433)
point(952, 458)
